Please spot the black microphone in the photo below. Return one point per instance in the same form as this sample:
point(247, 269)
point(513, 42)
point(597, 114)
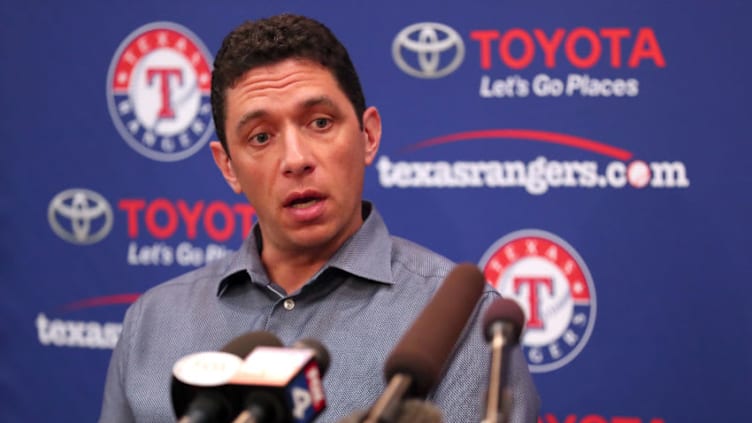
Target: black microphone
point(416, 363)
point(282, 385)
point(199, 390)
point(502, 326)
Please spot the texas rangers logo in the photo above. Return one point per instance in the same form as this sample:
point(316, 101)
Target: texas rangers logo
point(550, 281)
point(158, 91)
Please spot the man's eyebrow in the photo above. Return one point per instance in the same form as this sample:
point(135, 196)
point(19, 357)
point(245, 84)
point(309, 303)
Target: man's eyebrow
point(321, 100)
point(309, 103)
point(253, 114)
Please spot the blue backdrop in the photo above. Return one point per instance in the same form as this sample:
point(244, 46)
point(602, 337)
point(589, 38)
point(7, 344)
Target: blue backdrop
point(592, 157)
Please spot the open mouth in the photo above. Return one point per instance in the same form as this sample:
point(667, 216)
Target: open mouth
point(303, 200)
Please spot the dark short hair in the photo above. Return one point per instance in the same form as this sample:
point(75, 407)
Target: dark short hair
point(272, 40)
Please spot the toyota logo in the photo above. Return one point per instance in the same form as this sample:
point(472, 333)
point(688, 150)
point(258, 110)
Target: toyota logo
point(80, 216)
point(428, 50)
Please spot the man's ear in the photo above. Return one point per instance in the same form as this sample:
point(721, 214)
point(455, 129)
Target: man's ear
point(372, 133)
point(222, 159)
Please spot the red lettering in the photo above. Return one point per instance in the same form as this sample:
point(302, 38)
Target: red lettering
point(156, 206)
point(213, 231)
point(534, 320)
point(246, 212)
point(594, 418)
point(528, 48)
point(590, 42)
point(162, 218)
point(550, 418)
point(549, 46)
point(484, 37)
point(646, 47)
point(164, 79)
point(571, 51)
point(190, 217)
point(615, 35)
point(131, 208)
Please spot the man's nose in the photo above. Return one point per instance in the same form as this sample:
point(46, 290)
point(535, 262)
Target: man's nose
point(297, 155)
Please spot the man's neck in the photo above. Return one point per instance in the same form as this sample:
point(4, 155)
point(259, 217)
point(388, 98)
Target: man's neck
point(291, 277)
point(291, 269)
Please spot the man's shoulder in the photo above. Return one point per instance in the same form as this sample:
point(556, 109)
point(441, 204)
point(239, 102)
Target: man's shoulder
point(419, 260)
point(425, 263)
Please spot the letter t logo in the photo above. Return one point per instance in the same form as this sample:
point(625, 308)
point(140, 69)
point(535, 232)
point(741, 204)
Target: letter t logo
point(534, 321)
point(164, 80)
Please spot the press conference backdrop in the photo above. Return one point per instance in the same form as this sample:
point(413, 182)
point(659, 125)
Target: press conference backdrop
point(592, 157)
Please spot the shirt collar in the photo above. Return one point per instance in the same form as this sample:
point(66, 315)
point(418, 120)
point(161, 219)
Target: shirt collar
point(366, 254)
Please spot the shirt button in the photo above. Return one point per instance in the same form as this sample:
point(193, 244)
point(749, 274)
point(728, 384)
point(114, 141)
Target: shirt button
point(289, 304)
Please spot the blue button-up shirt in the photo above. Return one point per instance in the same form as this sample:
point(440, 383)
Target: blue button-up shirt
point(358, 306)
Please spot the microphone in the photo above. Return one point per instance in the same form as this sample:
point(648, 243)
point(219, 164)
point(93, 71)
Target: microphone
point(502, 326)
point(282, 385)
point(416, 363)
point(242, 345)
point(199, 388)
point(319, 350)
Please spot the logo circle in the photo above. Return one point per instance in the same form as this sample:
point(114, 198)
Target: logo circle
point(553, 286)
point(80, 216)
point(158, 91)
point(429, 42)
point(639, 174)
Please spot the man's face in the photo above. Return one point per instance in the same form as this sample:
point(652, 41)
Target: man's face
point(298, 154)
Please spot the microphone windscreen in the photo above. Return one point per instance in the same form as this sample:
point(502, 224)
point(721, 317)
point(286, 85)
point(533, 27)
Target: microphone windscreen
point(322, 354)
point(245, 343)
point(504, 310)
point(424, 349)
point(213, 402)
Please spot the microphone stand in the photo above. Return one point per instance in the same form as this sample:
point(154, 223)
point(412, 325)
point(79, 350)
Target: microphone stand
point(497, 396)
point(385, 409)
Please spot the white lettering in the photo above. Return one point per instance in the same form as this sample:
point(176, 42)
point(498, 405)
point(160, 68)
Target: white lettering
point(616, 174)
point(545, 86)
point(314, 383)
point(570, 338)
point(215, 252)
point(80, 334)
point(150, 255)
point(511, 86)
point(554, 350)
point(669, 175)
point(536, 176)
point(586, 86)
point(188, 255)
point(301, 400)
point(535, 355)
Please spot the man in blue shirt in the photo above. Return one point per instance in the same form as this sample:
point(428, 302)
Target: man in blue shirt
point(295, 138)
